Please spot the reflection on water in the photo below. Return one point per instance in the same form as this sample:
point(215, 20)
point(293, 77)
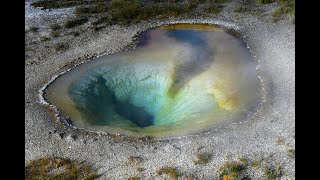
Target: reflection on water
point(181, 79)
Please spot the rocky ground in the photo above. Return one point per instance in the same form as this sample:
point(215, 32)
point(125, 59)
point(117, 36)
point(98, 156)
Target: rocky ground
point(264, 144)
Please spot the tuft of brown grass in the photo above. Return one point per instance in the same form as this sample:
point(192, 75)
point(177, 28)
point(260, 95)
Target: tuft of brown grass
point(133, 178)
point(34, 29)
point(60, 47)
point(273, 172)
point(172, 172)
point(202, 158)
point(134, 159)
point(76, 22)
point(59, 168)
point(232, 170)
point(55, 27)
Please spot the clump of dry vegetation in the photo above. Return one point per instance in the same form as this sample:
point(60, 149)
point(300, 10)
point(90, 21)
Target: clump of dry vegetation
point(59, 168)
point(60, 46)
point(134, 178)
point(233, 170)
point(202, 158)
point(76, 22)
point(273, 172)
point(172, 172)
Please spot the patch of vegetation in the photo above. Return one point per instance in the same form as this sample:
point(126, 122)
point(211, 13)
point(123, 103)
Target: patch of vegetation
point(76, 22)
point(133, 178)
point(291, 153)
point(53, 4)
point(104, 19)
point(232, 170)
point(126, 12)
point(44, 38)
point(34, 29)
point(202, 158)
point(60, 47)
point(75, 33)
point(59, 168)
point(55, 33)
point(241, 9)
point(212, 9)
point(55, 27)
point(93, 9)
point(280, 140)
point(273, 172)
point(287, 7)
point(134, 159)
point(140, 169)
point(255, 164)
point(172, 172)
point(265, 1)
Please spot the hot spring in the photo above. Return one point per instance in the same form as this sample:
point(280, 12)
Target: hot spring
point(180, 79)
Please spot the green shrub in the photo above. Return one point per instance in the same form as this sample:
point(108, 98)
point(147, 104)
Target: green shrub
point(124, 11)
point(53, 4)
point(55, 27)
point(172, 172)
point(75, 34)
point(265, 1)
point(273, 172)
point(104, 19)
point(34, 29)
point(76, 22)
point(60, 47)
point(55, 33)
point(99, 8)
point(44, 38)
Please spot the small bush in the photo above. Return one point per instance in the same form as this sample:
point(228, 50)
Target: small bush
point(140, 169)
point(125, 11)
point(265, 1)
point(241, 9)
point(76, 22)
point(53, 4)
point(34, 29)
point(287, 7)
point(105, 19)
point(44, 38)
point(55, 33)
point(60, 47)
point(172, 172)
point(133, 178)
point(212, 9)
point(232, 170)
point(99, 8)
point(55, 27)
point(75, 34)
point(202, 158)
point(273, 172)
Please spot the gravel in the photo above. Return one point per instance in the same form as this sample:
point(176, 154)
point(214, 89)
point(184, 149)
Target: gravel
point(273, 47)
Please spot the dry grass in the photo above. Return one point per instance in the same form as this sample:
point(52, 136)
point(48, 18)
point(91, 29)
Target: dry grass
point(60, 47)
point(273, 172)
point(233, 170)
point(202, 158)
point(172, 172)
point(59, 168)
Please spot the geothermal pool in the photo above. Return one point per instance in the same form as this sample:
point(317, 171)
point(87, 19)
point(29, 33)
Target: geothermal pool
point(180, 79)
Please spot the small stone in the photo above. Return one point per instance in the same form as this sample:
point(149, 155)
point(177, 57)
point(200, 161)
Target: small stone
point(62, 135)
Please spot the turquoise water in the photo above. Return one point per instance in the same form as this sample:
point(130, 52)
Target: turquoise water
point(181, 79)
